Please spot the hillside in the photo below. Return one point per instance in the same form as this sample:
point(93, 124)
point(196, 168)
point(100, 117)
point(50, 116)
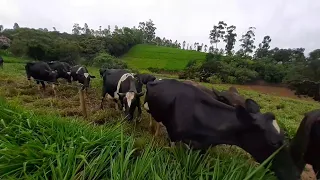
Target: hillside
point(144, 56)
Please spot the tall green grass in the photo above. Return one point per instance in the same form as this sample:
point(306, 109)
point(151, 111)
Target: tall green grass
point(50, 147)
point(144, 56)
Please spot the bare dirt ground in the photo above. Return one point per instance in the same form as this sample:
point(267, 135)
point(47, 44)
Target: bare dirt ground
point(273, 90)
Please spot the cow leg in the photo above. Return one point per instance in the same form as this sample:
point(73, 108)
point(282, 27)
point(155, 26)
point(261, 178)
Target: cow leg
point(116, 104)
point(54, 90)
point(102, 99)
point(39, 87)
point(43, 86)
point(139, 110)
point(157, 129)
point(150, 119)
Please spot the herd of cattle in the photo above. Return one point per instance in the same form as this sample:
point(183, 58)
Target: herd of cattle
point(198, 116)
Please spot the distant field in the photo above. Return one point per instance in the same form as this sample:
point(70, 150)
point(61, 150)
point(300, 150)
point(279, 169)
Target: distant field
point(145, 56)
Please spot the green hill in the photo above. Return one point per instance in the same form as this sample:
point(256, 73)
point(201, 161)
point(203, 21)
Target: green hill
point(145, 56)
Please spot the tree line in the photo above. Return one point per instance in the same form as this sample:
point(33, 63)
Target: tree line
point(103, 45)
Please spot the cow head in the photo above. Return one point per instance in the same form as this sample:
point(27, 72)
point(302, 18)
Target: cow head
point(85, 78)
point(67, 76)
point(53, 75)
point(130, 102)
point(144, 78)
point(260, 135)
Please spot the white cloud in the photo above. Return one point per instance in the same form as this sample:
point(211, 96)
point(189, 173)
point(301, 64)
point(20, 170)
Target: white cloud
point(289, 23)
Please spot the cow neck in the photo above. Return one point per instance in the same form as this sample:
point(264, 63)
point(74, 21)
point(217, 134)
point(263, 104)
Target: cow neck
point(123, 78)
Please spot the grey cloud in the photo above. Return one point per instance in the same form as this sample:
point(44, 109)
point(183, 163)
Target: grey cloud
point(290, 24)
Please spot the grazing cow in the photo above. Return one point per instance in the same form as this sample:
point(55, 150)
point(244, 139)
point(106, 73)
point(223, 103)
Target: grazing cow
point(144, 78)
point(212, 92)
point(230, 97)
point(1, 62)
point(121, 85)
point(108, 71)
point(189, 115)
point(62, 68)
point(41, 72)
point(305, 146)
point(80, 73)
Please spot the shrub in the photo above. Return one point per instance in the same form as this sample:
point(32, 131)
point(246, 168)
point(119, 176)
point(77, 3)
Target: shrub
point(215, 79)
point(105, 60)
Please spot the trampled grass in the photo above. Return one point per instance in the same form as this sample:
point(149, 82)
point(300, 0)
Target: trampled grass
point(50, 147)
point(145, 56)
point(42, 137)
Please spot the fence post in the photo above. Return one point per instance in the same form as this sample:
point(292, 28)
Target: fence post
point(83, 103)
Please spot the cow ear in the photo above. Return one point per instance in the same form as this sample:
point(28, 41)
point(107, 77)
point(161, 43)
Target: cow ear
point(121, 95)
point(243, 115)
point(252, 106)
point(92, 76)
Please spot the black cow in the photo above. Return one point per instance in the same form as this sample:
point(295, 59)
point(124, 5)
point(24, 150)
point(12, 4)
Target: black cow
point(62, 68)
point(145, 78)
point(230, 97)
point(189, 115)
point(41, 73)
point(1, 62)
point(305, 146)
point(80, 73)
point(120, 84)
point(108, 71)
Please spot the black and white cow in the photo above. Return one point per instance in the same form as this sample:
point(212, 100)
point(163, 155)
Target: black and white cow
point(41, 72)
point(121, 85)
point(1, 62)
point(81, 74)
point(191, 116)
point(62, 68)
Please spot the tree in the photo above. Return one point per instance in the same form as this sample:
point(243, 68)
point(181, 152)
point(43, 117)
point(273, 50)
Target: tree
point(217, 33)
point(1, 28)
point(148, 29)
point(314, 55)
point(16, 26)
point(188, 46)
point(205, 48)
point(214, 36)
point(264, 47)
point(221, 30)
point(184, 44)
point(76, 29)
point(230, 39)
point(248, 41)
point(86, 30)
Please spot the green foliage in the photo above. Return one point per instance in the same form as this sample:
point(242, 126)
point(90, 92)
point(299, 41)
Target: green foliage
point(105, 60)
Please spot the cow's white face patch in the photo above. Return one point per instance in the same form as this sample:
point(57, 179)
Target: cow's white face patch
point(146, 106)
point(276, 126)
point(86, 75)
point(68, 73)
point(129, 96)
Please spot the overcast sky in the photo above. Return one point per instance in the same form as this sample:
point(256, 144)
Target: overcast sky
point(290, 23)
